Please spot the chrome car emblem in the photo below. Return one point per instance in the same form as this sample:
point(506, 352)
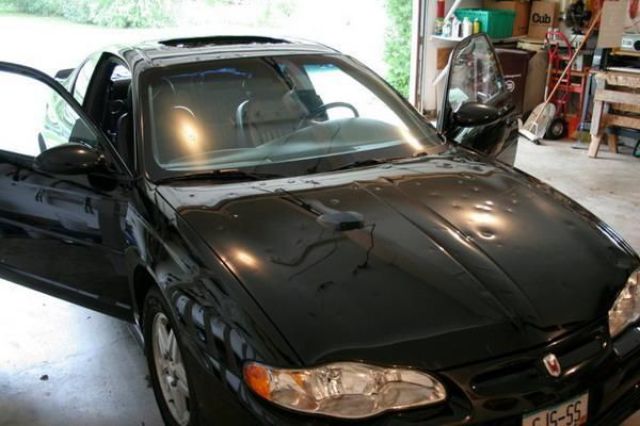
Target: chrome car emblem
point(552, 365)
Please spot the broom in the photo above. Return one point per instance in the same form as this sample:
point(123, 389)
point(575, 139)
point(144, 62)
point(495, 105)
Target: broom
point(538, 122)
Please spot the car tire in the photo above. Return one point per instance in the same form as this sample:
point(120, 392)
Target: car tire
point(167, 370)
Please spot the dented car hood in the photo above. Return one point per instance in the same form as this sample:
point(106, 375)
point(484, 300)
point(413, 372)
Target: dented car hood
point(455, 260)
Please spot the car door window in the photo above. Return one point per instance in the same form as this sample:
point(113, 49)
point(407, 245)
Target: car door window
point(84, 78)
point(116, 99)
point(37, 118)
point(475, 76)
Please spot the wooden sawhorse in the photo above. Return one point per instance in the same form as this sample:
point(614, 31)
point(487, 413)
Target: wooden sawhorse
point(614, 89)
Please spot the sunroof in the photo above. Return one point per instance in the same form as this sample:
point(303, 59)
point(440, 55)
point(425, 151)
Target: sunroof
point(220, 41)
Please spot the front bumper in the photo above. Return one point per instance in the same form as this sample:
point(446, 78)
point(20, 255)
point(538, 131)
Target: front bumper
point(623, 399)
point(498, 391)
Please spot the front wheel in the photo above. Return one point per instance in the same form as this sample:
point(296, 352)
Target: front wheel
point(166, 366)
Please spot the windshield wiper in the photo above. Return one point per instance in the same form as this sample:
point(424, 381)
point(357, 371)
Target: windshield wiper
point(419, 155)
point(361, 163)
point(228, 175)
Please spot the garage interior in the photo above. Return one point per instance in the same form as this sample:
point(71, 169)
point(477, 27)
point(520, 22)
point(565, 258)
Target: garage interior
point(61, 364)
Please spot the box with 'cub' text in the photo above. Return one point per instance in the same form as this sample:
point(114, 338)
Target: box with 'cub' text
point(543, 16)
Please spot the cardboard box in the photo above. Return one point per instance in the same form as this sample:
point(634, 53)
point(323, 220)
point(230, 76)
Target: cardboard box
point(610, 31)
point(521, 8)
point(544, 15)
point(442, 57)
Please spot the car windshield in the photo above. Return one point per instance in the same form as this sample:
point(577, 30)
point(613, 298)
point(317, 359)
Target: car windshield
point(286, 115)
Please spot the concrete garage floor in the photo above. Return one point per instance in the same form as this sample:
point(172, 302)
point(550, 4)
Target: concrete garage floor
point(97, 373)
point(608, 185)
point(63, 365)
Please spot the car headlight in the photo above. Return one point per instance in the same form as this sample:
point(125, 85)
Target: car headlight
point(346, 389)
point(626, 309)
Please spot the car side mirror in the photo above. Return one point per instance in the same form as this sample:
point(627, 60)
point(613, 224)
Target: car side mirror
point(69, 159)
point(473, 114)
point(475, 92)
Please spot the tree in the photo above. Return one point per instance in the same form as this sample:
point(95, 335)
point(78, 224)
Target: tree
point(398, 44)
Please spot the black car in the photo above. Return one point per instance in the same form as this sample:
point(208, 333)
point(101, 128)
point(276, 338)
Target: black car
point(297, 245)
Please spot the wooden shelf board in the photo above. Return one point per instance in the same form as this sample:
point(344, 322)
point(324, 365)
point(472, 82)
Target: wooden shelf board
point(457, 39)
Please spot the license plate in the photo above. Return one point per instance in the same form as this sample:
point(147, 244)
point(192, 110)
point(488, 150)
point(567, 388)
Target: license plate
point(569, 413)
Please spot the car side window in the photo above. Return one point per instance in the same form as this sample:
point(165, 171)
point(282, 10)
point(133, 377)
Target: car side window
point(37, 118)
point(84, 78)
point(474, 75)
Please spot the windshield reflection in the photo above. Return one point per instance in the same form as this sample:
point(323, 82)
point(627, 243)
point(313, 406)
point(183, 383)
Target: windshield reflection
point(298, 114)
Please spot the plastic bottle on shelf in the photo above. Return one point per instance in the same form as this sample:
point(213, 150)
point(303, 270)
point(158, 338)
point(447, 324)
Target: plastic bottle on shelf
point(439, 23)
point(476, 26)
point(455, 28)
point(467, 27)
point(446, 29)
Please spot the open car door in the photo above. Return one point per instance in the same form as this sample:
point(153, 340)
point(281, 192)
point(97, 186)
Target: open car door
point(62, 203)
point(477, 110)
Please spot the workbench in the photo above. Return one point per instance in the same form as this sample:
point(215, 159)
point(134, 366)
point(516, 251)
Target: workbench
point(616, 104)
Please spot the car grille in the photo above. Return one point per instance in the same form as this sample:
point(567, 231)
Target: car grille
point(526, 373)
point(519, 383)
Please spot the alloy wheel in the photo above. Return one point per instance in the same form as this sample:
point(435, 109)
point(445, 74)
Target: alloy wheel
point(170, 369)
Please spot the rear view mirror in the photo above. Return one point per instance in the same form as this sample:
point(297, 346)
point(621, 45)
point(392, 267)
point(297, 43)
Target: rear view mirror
point(69, 159)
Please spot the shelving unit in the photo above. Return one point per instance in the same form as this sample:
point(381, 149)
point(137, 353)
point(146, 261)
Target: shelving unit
point(494, 40)
point(442, 38)
point(456, 4)
point(430, 51)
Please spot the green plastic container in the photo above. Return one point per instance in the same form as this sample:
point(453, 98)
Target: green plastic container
point(495, 23)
